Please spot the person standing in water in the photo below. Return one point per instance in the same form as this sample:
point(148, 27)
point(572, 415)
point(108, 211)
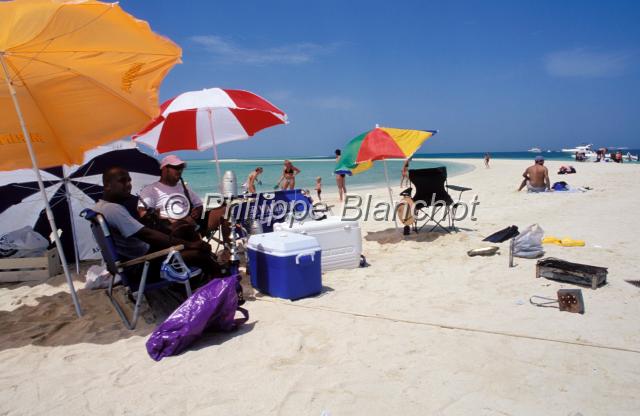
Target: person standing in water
point(250, 185)
point(404, 180)
point(288, 177)
point(340, 178)
point(319, 187)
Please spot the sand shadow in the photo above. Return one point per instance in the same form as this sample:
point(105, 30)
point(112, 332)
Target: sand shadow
point(257, 295)
point(51, 320)
point(394, 236)
point(209, 339)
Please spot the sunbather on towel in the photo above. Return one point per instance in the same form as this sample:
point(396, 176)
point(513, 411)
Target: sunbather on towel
point(536, 177)
point(132, 239)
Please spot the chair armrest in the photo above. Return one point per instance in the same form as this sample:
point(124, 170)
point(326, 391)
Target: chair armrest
point(458, 188)
point(149, 256)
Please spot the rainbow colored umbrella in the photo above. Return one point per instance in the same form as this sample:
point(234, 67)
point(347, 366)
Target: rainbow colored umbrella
point(379, 144)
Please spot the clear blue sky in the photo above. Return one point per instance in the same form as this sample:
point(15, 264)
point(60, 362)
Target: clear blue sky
point(491, 76)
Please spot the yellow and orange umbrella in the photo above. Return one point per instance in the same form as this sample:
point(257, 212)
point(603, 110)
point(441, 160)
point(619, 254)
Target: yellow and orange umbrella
point(78, 74)
point(85, 73)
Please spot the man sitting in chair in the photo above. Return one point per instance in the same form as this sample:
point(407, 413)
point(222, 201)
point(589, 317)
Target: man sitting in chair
point(132, 239)
point(175, 208)
point(536, 177)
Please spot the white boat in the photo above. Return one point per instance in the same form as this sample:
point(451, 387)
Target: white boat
point(630, 158)
point(535, 150)
point(580, 149)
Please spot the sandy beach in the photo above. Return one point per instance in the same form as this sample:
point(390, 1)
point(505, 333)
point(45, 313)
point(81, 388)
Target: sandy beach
point(424, 330)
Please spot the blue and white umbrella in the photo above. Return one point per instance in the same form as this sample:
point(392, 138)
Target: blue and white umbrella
point(70, 189)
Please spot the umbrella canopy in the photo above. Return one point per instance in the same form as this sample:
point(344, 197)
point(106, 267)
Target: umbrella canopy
point(379, 144)
point(77, 74)
point(85, 73)
point(69, 189)
point(200, 120)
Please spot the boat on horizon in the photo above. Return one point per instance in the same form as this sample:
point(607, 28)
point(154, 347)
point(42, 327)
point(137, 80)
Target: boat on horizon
point(580, 149)
point(535, 150)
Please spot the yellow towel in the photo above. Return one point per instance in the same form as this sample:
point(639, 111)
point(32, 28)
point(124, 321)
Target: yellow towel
point(568, 242)
point(551, 240)
point(564, 242)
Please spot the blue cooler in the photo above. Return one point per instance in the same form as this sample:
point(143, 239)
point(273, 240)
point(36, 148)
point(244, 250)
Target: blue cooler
point(285, 265)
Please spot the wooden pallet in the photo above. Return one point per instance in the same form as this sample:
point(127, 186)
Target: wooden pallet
point(30, 268)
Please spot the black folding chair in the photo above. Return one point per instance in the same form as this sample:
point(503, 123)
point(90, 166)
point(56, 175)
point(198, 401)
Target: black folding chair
point(431, 192)
point(173, 270)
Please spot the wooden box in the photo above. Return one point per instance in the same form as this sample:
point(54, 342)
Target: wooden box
point(30, 268)
point(575, 273)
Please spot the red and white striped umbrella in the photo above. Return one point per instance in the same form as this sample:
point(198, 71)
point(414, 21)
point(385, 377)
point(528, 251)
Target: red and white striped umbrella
point(199, 120)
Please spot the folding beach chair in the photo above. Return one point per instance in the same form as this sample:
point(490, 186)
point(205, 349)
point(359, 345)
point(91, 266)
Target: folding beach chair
point(431, 193)
point(173, 269)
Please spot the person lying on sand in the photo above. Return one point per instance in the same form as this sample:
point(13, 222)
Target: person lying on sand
point(564, 170)
point(536, 177)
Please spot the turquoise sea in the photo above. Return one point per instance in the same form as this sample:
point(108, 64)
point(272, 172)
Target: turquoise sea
point(201, 174)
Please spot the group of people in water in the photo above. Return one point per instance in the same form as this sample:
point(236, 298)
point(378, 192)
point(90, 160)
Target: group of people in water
point(287, 179)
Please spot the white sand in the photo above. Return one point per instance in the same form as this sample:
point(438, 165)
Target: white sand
point(424, 330)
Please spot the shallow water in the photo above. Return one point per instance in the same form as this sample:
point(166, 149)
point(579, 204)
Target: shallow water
point(201, 174)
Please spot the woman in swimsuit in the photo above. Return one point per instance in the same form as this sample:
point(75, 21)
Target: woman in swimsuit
point(288, 178)
point(340, 178)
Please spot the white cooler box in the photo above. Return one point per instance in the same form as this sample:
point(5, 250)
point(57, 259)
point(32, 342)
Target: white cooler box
point(340, 241)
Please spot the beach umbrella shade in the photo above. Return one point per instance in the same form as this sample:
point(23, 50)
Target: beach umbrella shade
point(70, 189)
point(199, 120)
point(78, 74)
point(381, 143)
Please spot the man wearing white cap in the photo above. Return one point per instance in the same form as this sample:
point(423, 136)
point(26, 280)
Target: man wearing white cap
point(170, 197)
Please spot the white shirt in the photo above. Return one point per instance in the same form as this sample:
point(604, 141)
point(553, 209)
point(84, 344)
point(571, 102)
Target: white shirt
point(168, 201)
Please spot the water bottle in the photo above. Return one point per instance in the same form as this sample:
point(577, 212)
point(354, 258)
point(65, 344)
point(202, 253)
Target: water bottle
point(255, 227)
point(229, 184)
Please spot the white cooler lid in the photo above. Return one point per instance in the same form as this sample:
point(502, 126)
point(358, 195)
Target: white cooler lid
point(281, 243)
point(329, 223)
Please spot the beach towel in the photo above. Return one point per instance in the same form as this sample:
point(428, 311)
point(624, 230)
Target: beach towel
point(210, 308)
point(560, 186)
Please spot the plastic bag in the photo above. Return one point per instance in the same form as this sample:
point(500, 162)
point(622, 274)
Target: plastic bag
point(98, 277)
point(529, 243)
point(24, 242)
point(212, 307)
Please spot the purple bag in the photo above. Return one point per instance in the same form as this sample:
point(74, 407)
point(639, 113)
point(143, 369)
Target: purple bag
point(212, 307)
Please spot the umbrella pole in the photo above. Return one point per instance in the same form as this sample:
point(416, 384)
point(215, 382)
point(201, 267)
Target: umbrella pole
point(67, 193)
point(215, 150)
point(47, 207)
point(386, 176)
